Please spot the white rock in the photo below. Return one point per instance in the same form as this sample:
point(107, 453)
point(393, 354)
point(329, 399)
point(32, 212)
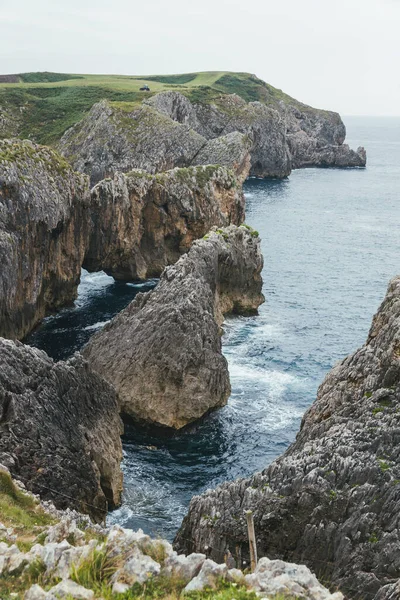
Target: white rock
point(68, 588)
point(137, 569)
point(35, 593)
point(183, 567)
point(235, 576)
point(64, 529)
point(273, 577)
point(209, 576)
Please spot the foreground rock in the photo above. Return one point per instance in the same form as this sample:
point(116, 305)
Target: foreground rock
point(59, 429)
point(44, 223)
point(72, 559)
point(142, 222)
point(163, 352)
point(168, 130)
point(331, 501)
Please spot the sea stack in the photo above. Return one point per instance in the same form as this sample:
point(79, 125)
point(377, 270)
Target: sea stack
point(163, 352)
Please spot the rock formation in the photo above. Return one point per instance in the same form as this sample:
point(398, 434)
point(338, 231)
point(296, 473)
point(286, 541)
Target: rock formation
point(142, 223)
point(57, 556)
point(163, 352)
point(59, 429)
point(169, 130)
point(44, 225)
point(331, 501)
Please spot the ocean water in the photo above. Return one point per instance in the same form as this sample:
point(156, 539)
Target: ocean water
point(331, 242)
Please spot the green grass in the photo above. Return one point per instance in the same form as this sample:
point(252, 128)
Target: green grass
point(47, 104)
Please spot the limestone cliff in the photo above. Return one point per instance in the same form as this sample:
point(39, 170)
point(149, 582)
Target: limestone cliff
point(331, 501)
point(44, 225)
point(141, 223)
point(169, 130)
point(60, 429)
point(163, 352)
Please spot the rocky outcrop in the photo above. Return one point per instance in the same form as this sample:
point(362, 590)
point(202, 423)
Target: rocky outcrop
point(331, 501)
point(121, 138)
point(142, 223)
point(315, 139)
point(44, 225)
point(262, 125)
point(163, 352)
point(168, 130)
point(125, 562)
point(59, 429)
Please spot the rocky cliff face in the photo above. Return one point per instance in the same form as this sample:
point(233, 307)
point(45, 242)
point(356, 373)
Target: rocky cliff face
point(163, 352)
point(114, 137)
point(142, 223)
point(59, 429)
point(44, 225)
point(169, 130)
point(331, 501)
point(315, 139)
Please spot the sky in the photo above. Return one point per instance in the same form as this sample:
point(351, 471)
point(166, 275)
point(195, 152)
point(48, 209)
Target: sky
point(341, 55)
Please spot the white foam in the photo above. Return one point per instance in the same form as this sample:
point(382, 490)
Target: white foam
point(98, 325)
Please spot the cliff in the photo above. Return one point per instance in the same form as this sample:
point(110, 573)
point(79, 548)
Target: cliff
point(47, 554)
point(169, 130)
point(131, 226)
point(331, 501)
point(141, 223)
point(59, 429)
point(44, 227)
point(163, 352)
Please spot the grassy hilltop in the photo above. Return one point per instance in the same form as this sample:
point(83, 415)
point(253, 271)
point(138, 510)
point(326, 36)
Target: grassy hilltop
point(42, 106)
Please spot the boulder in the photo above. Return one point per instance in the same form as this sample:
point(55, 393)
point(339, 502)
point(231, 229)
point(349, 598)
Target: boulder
point(163, 352)
point(331, 501)
point(44, 224)
point(60, 429)
point(141, 223)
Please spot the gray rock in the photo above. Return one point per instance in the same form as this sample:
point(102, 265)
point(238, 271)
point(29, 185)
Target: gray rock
point(35, 593)
point(71, 590)
point(211, 574)
point(44, 224)
point(60, 429)
point(142, 223)
point(183, 567)
point(275, 577)
point(163, 352)
point(139, 568)
point(331, 501)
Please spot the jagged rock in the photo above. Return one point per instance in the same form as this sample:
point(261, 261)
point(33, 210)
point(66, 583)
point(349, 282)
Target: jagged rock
point(315, 139)
point(44, 223)
point(183, 567)
point(110, 139)
point(142, 223)
point(139, 568)
point(231, 150)
point(331, 501)
point(277, 578)
point(163, 352)
point(389, 592)
point(211, 574)
point(66, 528)
point(59, 429)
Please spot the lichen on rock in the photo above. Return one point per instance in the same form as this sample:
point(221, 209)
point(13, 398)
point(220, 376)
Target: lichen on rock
point(163, 352)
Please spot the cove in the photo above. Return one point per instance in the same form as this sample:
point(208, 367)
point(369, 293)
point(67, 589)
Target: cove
point(330, 241)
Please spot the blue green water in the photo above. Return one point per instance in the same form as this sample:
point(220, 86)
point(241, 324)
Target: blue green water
point(331, 242)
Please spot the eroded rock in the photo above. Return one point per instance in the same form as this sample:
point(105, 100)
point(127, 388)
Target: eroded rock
point(163, 352)
point(59, 429)
point(331, 501)
point(141, 223)
point(44, 224)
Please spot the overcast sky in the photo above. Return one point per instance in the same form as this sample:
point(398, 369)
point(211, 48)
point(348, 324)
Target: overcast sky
point(342, 55)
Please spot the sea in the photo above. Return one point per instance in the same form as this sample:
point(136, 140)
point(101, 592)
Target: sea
point(331, 243)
